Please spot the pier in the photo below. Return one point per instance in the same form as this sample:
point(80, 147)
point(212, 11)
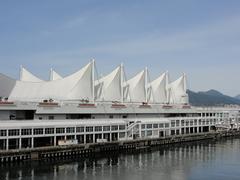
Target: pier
point(53, 152)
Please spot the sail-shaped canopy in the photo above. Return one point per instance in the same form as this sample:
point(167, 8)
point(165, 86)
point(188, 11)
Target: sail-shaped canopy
point(77, 86)
point(109, 87)
point(26, 75)
point(135, 88)
point(54, 75)
point(178, 91)
point(6, 85)
point(159, 89)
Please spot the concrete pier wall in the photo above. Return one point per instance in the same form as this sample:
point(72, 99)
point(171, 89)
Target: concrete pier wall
point(52, 152)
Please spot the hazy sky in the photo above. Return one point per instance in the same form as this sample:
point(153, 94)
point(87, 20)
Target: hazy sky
point(198, 37)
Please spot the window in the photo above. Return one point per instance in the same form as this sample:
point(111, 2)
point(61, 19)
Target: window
point(80, 129)
point(106, 128)
point(25, 132)
point(122, 135)
point(38, 131)
point(166, 125)
point(195, 122)
point(124, 116)
point(3, 132)
point(122, 127)
point(149, 133)
point(49, 131)
point(177, 123)
point(172, 123)
point(60, 130)
point(114, 128)
point(89, 129)
point(50, 117)
point(111, 117)
point(98, 128)
point(40, 118)
point(70, 130)
point(143, 126)
point(149, 126)
point(155, 126)
point(161, 125)
point(199, 122)
point(13, 132)
point(182, 122)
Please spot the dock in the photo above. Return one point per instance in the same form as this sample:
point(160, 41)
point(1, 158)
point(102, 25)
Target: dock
point(53, 152)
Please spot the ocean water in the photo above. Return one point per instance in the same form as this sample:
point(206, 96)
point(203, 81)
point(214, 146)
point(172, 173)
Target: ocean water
point(209, 160)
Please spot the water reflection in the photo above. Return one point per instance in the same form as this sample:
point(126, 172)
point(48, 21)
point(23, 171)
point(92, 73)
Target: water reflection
point(201, 160)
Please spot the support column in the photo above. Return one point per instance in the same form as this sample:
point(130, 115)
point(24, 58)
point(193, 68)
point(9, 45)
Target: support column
point(32, 144)
point(20, 143)
point(94, 138)
point(110, 137)
point(84, 138)
point(7, 144)
point(55, 141)
point(140, 132)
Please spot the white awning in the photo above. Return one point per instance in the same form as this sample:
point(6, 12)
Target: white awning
point(54, 75)
point(27, 76)
point(178, 91)
point(74, 87)
point(159, 89)
point(109, 87)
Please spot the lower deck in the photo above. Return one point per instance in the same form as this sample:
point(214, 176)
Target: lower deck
point(34, 134)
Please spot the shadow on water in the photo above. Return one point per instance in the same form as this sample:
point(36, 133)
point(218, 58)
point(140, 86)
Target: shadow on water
point(197, 160)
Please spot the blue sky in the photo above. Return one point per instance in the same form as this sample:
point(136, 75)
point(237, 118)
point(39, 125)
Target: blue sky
point(200, 38)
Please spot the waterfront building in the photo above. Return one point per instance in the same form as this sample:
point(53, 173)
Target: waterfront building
point(83, 109)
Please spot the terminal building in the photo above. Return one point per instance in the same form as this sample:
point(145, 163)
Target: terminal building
point(82, 108)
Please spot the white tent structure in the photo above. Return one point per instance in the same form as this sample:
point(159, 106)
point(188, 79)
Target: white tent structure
point(27, 76)
point(54, 75)
point(110, 87)
point(81, 85)
point(77, 86)
point(159, 93)
point(135, 89)
point(178, 91)
point(6, 85)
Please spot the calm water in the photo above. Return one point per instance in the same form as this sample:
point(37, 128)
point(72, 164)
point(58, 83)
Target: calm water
point(205, 160)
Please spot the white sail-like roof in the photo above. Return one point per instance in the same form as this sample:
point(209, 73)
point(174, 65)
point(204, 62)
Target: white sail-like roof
point(6, 85)
point(74, 87)
point(109, 87)
point(54, 75)
point(159, 89)
point(178, 91)
point(26, 75)
point(135, 88)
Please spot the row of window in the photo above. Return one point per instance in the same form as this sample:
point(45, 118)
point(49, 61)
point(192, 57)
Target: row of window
point(191, 123)
point(37, 131)
point(155, 126)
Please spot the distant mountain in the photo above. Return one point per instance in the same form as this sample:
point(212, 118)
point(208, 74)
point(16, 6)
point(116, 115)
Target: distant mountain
point(211, 98)
point(237, 97)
